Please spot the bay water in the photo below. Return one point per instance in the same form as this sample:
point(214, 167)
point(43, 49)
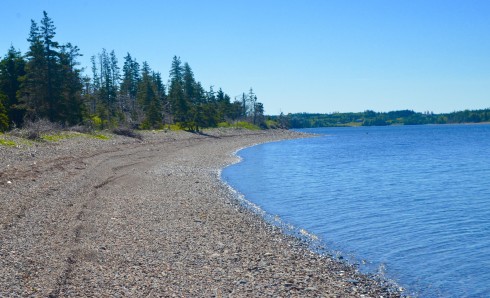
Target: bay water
point(409, 202)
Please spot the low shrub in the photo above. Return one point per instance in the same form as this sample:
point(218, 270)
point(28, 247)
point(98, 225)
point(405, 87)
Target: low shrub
point(127, 132)
point(100, 137)
point(7, 143)
point(246, 125)
point(271, 124)
point(223, 124)
point(33, 130)
point(82, 129)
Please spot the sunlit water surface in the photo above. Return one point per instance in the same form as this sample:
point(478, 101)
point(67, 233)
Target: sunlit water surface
point(410, 201)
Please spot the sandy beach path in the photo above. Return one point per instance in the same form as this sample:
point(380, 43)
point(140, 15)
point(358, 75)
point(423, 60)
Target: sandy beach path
point(124, 218)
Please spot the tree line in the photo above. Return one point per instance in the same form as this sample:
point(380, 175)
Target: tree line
point(47, 82)
point(372, 118)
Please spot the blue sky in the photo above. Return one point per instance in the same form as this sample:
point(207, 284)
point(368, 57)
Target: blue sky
point(299, 56)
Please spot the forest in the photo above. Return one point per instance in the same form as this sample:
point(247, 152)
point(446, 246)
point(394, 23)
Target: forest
point(371, 118)
point(47, 82)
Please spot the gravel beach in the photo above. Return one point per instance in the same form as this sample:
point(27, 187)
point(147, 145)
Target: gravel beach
point(85, 217)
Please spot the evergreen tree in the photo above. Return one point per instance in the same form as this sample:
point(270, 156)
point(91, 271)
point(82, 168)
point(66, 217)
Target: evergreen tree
point(148, 98)
point(33, 83)
point(180, 105)
point(210, 109)
point(108, 107)
point(146, 92)
point(176, 70)
point(71, 108)
point(189, 83)
point(259, 118)
point(236, 110)
point(244, 105)
point(115, 78)
point(251, 100)
point(4, 120)
point(161, 103)
point(52, 75)
point(198, 107)
point(47, 83)
point(94, 87)
point(51, 86)
point(224, 105)
point(12, 69)
point(129, 85)
point(283, 121)
point(160, 87)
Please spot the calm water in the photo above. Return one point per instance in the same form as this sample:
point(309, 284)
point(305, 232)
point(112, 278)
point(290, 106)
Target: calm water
point(410, 201)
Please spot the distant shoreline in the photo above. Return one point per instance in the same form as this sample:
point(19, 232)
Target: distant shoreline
point(435, 124)
point(372, 118)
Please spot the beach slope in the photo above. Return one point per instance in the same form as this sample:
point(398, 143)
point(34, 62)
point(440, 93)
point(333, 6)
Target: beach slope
point(151, 218)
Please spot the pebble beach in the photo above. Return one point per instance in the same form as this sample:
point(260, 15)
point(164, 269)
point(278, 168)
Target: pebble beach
point(123, 217)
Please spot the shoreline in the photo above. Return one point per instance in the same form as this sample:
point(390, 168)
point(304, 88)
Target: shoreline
point(86, 217)
point(307, 240)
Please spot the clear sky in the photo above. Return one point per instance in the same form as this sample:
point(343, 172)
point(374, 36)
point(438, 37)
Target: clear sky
point(299, 56)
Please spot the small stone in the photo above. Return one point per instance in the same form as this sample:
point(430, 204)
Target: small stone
point(9, 182)
point(352, 281)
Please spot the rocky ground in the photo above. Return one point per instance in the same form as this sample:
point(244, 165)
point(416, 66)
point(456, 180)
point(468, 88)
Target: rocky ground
point(124, 217)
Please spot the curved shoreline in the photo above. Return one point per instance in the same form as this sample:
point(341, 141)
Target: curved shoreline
point(307, 240)
point(85, 217)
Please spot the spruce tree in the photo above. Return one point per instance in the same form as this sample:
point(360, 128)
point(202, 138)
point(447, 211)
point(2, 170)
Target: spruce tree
point(176, 95)
point(161, 100)
point(258, 113)
point(115, 78)
point(52, 86)
point(12, 69)
point(32, 91)
point(4, 120)
point(149, 98)
point(176, 70)
point(71, 107)
point(129, 86)
point(189, 83)
point(251, 100)
point(107, 106)
point(223, 101)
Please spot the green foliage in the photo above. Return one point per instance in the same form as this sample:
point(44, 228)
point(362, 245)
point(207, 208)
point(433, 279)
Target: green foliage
point(272, 124)
point(51, 87)
point(371, 118)
point(46, 83)
point(97, 122)
point(7, 143)
point(4, 121)
point(173, 127)
point(99, 137)
point(224, 124)
point(246, 125)
point(12, 70)
point(58, 136)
